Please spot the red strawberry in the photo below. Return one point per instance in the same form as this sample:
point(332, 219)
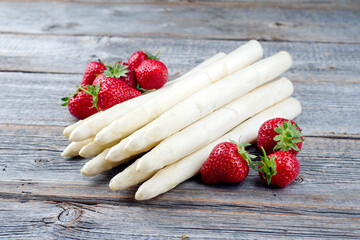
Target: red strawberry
point(129, 79)
point(80, 104)
point(121, 71)
point(91, 71)
point(227, 163)
point(280, 134)
point(278, 169)
point(109, 92)
point(137, 58)
point(151, 74)
point(98, 79)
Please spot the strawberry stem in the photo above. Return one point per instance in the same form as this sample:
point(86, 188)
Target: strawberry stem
point(143, 89)
point(92, 90)
point(67, 99)
point(288, 136)
point(151, 56)
point(267, 166)
point(241, 149)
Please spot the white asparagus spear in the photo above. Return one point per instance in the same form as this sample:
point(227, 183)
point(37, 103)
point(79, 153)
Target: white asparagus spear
point(92, 125)
point(208, 100)
point(236, 60)
point(129, 177)
point(182, 170)
point(92, 149)
point(201, 104)
point(176, 173)
point(122, 154)
point(205, 131)
point(99, 164)
point(73, 148)
point(204, 64)
point(89, 128)
point(229, 116)
point(214, 125)
point(67, 131)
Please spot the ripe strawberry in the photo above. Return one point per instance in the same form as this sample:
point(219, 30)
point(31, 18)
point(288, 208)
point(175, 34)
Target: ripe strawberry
point(280, 134)
point(91, 71)
point(98, 79)
point(129, 79)
point(137, 58)
point(80, 104)
point(279, 168)
point(109, 92)
point(121, 71)
point(227, 163)
point(151, 74)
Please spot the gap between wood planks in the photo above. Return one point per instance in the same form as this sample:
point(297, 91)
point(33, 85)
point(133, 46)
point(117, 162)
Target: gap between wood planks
point(68, 219)
point(206, 205)
point(36, 72)
point(178, 37)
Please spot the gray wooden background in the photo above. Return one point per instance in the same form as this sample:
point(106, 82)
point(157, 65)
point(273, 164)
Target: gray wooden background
point(44, 48)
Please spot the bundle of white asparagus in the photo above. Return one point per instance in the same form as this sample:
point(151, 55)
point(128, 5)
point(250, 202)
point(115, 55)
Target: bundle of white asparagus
point(171, 131)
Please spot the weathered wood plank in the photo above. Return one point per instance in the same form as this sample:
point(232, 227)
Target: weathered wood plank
point(314, 4)
point(34, 99)
point(63, 54)
point(316, 64)
point(32, 168)
point(214, 21)
point(43, 195)
point(68, 220)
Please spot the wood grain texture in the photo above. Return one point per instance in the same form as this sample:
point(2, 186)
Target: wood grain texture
point(32, 168)
point(44, 48)
point(67, 220)
point(222, 21)
point(336, 103)
point(338, 4)
point(69, 55)
point(324, 195)
point(33, 172)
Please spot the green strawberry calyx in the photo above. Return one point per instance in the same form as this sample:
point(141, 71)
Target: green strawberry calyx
point(151, 56)
point(92, 90)
point(288, 136)
point(67, 99)
point(267, 166)
point(116, 70)
point(245, 155)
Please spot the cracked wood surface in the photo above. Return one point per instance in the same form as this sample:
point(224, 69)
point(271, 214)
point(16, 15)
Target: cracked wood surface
point(45, 46)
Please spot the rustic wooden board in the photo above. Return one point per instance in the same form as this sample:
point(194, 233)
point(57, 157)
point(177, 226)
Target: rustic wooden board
point(44, 48)
point(64, 54)
point(69, 55)
point(325, 195)
point(314, 4)
point(340, 99)
point(176, 20)
point(43, 191)
point(32, 165)
point(53, 220)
